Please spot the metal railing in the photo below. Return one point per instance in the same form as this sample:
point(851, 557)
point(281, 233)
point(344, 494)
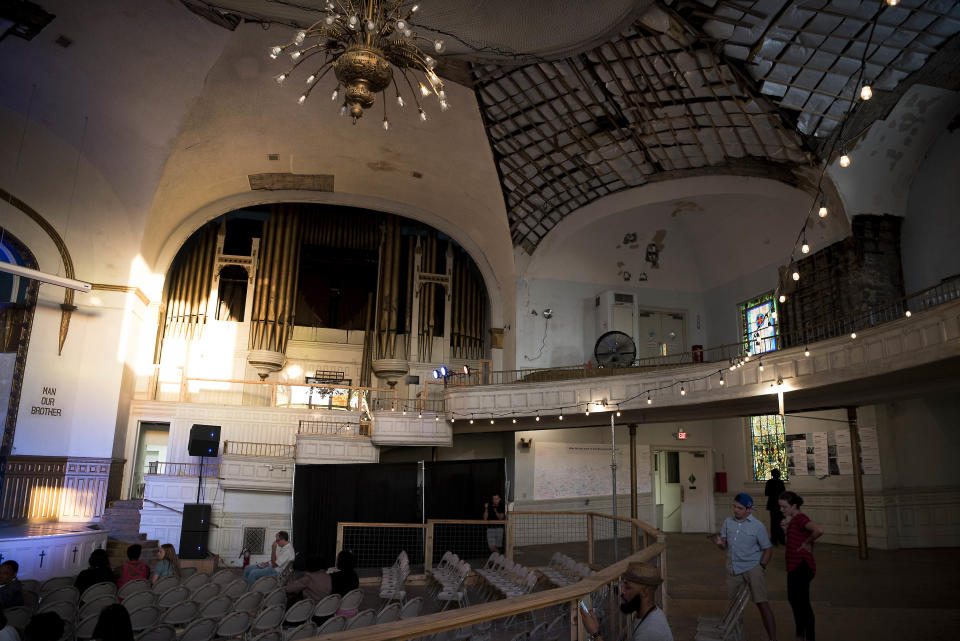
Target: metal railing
point(334, 428)
point(165, 468)
point(271, 450)
point(808, 334)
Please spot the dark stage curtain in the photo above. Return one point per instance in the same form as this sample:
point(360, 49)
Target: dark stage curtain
point(365, 493)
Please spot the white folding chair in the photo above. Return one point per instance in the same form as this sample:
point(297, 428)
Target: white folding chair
point(138, 600)
point(31, 599)
point(216, 607)
point(388, 613)
point(234, 624)
point(223, 577)
point(351, 600)
point(145, 617)
point(169, 598)
point(98, 590)
point(132, 587)
point(165, 584)
point(65, 593)
point(269, 635)
point(159, 633)
point(327, 606)
point(206, 592)
point(266, 620)
point(276, 597)
point(54, 583)
point(180, 614)
point(331, 625)
point(235, 588)
point(64, 609)
point(730, 627)
point(411, 609)
point(299, 612)
point(202, 629)
point(264, 584)
point(94, 606)
point(554, 630)
point(362, 620)
point(303, 631)
point(249, 602)
point(84, 629)
point(195, 581)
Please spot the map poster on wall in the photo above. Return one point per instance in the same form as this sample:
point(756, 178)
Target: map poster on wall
point(796, 454)
point(820, 455)
point(570, 470)
point(844, 460)
point(869, 451)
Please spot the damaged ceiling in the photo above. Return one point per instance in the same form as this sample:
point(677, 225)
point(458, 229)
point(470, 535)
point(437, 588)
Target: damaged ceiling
point(633, 92)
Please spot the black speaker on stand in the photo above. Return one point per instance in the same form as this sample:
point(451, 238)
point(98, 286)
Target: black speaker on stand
point(195, 526)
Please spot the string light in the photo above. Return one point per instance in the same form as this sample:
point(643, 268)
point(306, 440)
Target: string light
point(907, 313)
point(853, 334)
point(796, 274)
point(761, 365)
point(892, 3)
point(804, 248)
point(823, 211)
point(538, 417)
point(866, 92)
point(721, 379)
point(514, 421)
point(649, 400)
point(618, 410)
point(587, 412)
point(783, 298)
point(561, 415)
point(436, 419)
point(844, 158)
point(806, 351)
point(419, 414)
point(491, 421)
point(471, 421)
point(683, 392)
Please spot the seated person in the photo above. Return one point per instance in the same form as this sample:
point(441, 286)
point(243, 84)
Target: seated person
point(113, 624)
point(11, 591)
point(98, 572)
point(281, 554)
point(133, 568)
point(167, 564)
point(314, 584)
point(345, 579)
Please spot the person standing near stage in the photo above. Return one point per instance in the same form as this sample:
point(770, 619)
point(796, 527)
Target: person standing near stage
point(748, 552)
point(493, 511)
point(801, 567)
point(772, 490)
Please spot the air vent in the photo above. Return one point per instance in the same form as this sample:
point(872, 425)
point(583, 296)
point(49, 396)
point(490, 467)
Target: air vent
point(273, 156)
point(253, 539)
point(623, 298)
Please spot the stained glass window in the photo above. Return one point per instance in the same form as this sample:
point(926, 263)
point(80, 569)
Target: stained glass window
point(769, 449)
point(758, 322)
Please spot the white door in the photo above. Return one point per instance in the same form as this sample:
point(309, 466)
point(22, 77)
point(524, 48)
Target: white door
point(660, 333)
point(694, 491)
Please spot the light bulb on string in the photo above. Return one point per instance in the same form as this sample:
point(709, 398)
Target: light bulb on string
point(386, 124)
point(796, 274)
point(399, 100)
point(782, 298)
point(471, 421)
point(804, 248)
point(823, 211)
point(537, 419)
point(683, 391)
point(761, 365)
point(514, 421)
point(908, 313)
point(806, 351)
point(561, 415)
point(618, 410)
point(649, 400)
point(491, 421)
point(892, 3)
point(436, 419)
point(844, 158)
point(587, 411)
point(721, 379)
point(853, 335)
point(419, 414)
point(866, 91)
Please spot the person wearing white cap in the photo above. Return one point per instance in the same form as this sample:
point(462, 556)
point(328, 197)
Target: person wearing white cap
point(638, 591)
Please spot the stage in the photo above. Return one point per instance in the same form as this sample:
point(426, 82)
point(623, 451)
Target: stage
point(46, 550)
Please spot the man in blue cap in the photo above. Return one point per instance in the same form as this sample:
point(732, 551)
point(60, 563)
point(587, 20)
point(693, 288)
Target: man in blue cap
point(748, 552)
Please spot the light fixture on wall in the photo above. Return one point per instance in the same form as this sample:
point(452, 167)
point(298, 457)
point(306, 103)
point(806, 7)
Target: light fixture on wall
point(369, 45)
point(43, 277)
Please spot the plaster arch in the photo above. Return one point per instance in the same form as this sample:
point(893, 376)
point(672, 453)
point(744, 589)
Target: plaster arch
point(189, 224)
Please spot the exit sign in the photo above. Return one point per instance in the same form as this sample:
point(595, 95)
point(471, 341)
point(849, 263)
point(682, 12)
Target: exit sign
point(682, 436)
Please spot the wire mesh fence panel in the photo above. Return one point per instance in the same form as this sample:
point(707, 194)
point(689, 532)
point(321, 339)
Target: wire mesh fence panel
point(611, 540)
point(472, 541)
point(537, 535)
point(378, 546)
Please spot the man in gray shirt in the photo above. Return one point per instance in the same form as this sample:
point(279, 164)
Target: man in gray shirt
point(638, 591)
point(748, 552)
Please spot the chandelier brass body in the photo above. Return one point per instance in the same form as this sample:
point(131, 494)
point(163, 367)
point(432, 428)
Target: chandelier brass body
point(363, 72)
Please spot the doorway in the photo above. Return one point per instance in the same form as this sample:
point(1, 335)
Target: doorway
point(151, 451)
point(660, 333)
point(682, 490)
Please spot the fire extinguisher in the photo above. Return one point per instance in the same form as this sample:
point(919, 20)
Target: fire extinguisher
point(245, 555)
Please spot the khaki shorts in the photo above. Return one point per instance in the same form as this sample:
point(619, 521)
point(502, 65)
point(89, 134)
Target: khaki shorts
point(755, 580)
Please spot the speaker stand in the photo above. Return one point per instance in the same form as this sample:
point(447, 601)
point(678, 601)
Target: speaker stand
point(199, 479)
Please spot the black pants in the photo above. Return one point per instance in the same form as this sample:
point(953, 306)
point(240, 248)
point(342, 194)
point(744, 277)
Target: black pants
point(777, 535)
point(798, 594)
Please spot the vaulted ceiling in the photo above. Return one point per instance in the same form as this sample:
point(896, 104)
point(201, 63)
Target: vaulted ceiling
point(585, 100)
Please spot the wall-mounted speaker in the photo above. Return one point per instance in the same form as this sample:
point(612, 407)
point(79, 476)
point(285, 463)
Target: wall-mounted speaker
point(193, 545)
point(204, 441)
point(196, 516)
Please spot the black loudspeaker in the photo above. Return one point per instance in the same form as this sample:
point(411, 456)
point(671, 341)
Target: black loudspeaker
point(204, 441)
point(193, 544)
point(196, 517)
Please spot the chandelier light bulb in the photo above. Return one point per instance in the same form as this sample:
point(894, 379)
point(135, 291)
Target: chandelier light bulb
point(401, 25)
point(386, 124)
point(429, 62)
point(371, 26)
point(335, 94)
point(296, 54)
point(805, 248)
point(438, 46)
point(407, 33)
point(414, 8)
point(281, 78)
point(330, 20)
point(423, 90)
point(353, 21)
point(329, 6)
point(423, 116)
point(866, 92)
point(301, 36)
point(444, 105)
point(442, 95)
point(302, 99)
point(310, 79)
point(399, 100)
point(844, 159)
point(275, 51)
point(343, 110)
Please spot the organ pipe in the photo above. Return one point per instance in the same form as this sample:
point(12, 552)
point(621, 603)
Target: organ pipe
point(188, 288)
point(275, 287)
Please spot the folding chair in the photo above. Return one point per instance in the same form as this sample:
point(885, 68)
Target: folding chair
point(66, 593)
point(269, 635)
point(264, 584)
point(223, 577)
point(205, 592)
point(98, 590)
point(277, 597)
point(54, 583)
point(138, 600)
point(235, 588)
point(266, 620)
point(180, 614)
point(86, 626)
point(303, 631)
point(331, 625)
point(298, 612)
point(202, 629)
point(94, 606)
point(31, 584)
point(186, 573)
point(144, 617)
point(195, 581)
point(388, 614)
point(31, 599)
point(249, 602)
point(216, 607)
point(538, 633)
point(173, 596)
point(132, 587)
point(327, 606)
point(351, 601)
point(159, 633)
point(64, 609)
point(362, 620)
point(18, 616)
point(165, 584)
point(411, 609)
point(234, 624)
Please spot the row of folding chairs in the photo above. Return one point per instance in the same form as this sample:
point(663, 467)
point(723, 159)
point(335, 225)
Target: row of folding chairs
point(563, 570)
point(393, 578)
point(442, 572)
point(729, 626)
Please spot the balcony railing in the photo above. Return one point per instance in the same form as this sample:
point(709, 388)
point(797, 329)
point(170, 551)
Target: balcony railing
point(165, 468)
point(334, 428)
point(271, 450)
point(808, 334)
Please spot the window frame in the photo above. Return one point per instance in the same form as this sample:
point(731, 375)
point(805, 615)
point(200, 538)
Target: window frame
point(744, 308)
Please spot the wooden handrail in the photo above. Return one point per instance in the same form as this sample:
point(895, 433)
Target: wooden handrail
point(451, 620)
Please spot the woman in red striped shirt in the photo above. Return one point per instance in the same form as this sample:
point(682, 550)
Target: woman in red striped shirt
point(801, 567)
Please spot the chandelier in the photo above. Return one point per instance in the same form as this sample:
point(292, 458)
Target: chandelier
point(370, 45)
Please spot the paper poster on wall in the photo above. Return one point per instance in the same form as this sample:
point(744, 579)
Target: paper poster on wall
point(569, 470)
point(821, 465)
point(844, 460)
point(869, 451)
point(796, 454)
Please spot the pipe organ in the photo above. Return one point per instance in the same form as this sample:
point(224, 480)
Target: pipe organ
point(427, 295)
